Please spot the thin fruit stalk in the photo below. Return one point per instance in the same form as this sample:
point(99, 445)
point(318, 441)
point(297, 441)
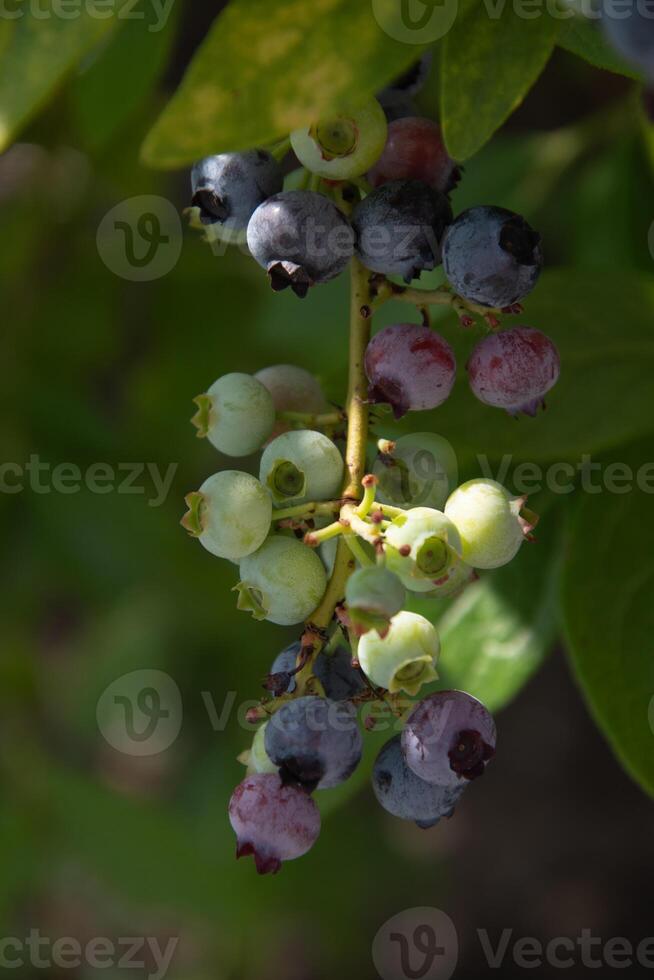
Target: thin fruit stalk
point(357, 411)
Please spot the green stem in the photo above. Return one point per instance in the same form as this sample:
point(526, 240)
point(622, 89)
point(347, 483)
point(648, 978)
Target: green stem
point(320, 421)
point(280, 149)
point(324, 508)
point(357, 412)
point(314, 538)
point(355, 547)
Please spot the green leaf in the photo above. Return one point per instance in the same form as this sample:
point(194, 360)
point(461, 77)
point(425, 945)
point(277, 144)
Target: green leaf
point(607, 590)
point(585, 39)
point(496, 634)
point(489, 63)
point(264, 71)
point(40, 53)
point(120, 80)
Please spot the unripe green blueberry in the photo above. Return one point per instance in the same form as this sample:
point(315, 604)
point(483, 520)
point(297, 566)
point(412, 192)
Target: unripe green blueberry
point(236, 415)
point(293, 389)
point(282, 582)
point(491, 522)
point(301, 465)
point(423, 548)
point(420, 470)
point(405, 658)
point(373, 596)
point(344, 146)
point(259, 760)
point(230, 514)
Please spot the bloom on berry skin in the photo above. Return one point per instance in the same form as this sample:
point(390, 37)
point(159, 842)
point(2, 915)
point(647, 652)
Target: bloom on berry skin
point(409, 367)
point(236, 414)
point(282, 582)
point(300, 238)
point(272, 822)
point(228, 188)
point(491, 256)
point(399, 228)
point(491, 522)
point(301, 465)
point(423, 548)
point(449, 739)
point(514, 370)
point(405, 658)
point(230, 514)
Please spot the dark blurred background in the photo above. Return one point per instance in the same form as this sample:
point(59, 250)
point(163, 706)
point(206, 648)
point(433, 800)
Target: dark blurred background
point(96, 841)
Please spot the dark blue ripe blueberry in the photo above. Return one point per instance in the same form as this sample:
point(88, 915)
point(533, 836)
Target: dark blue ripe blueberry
point(228, 188)
point(300, 238)
point(315, 742)
point(405, 795)
point(630, 29)
point(492, 257)
point(340, 680)
point(400, 228)
point(281, 679)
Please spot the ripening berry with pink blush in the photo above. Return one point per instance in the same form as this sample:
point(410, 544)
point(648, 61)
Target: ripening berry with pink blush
point(415, 151)
point(272, 822)
point(410, 367)
point(514, 370)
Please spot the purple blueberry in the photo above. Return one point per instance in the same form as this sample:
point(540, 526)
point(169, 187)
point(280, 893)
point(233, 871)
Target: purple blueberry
point(449, 738)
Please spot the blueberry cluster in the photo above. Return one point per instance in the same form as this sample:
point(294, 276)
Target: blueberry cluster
point(277, 529)
point(316, 541)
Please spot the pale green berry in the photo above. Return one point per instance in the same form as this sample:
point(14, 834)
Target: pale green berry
point(419, 471)
point(236, 415)
point(258, 759)
point(345, 145)
point(301, 465)
point(405, 658)
point(423, 548)
point(230, 514)
point(373, 596)
point(282, 582)
point(491, 522)
point(293, 389)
